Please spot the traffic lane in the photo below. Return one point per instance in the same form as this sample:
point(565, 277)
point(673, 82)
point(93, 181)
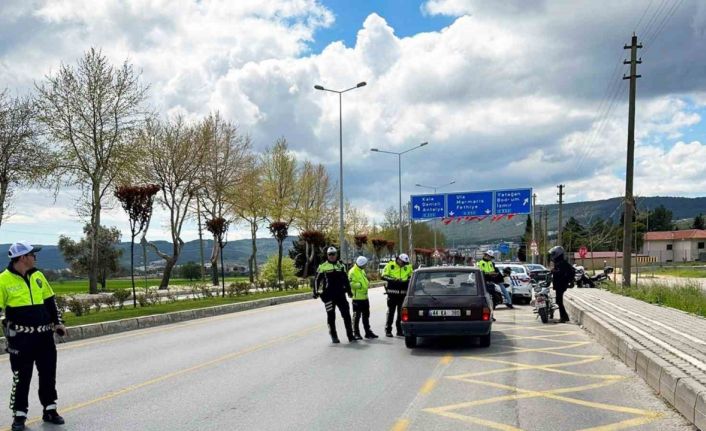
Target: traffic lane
point(89, 368)
point(534, 376)
point(82, 392)
point(303, 382)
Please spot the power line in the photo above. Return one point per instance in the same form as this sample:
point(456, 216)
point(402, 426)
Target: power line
point(662, 25)
point(642, 16)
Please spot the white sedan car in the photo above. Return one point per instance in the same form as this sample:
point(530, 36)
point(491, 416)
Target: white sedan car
point(521, 288)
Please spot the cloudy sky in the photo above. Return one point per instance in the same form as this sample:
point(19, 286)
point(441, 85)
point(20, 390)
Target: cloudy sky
point(518, 93)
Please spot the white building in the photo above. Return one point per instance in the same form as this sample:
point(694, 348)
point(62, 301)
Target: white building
point(675, 246)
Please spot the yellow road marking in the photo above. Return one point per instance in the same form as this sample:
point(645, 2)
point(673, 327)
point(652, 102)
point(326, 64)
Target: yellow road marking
point(400, 425)
point(552, 368)
point(428, 386)
point(446, 360)
point(626, 423)
point(479, 421)
point(181, 372)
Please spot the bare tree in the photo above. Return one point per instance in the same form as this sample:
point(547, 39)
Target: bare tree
point(174, 162)
point(249, 205)
point(315, 210)
point(279, 172)
point(225, 166)
point(24, 159)
point(92, 111)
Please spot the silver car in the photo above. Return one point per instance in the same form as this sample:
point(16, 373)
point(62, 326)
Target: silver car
point(521, 288)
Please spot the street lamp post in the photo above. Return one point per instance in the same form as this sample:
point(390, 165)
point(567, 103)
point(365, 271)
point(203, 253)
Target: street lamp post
point(435, 188)
point(340, 160)
point(399, 178)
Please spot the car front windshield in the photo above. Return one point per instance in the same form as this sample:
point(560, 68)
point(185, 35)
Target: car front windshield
point(536, 268)
point(445, 283)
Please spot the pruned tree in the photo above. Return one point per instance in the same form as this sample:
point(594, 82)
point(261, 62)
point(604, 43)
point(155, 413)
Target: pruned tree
point(218, 227)
point(92, 111)
point(249, 205)
point(390, 247)
point(314, 242)
point(279, 174)
point(137, 201)
point(224, 170)
point(24, 159)
point(360, 241)
point(173, 161)
point(79, 254)
point(378, 245)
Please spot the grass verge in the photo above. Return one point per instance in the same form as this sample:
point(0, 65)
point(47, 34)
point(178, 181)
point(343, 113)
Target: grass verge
point(689, 296)
point(70, 287)
point(682, 271)
point(188, 304)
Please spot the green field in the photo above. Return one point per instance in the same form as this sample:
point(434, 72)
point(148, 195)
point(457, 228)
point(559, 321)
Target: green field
point(189, 304)
point(70, 287)
point(687, 271)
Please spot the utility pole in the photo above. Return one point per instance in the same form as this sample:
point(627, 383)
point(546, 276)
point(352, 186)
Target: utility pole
point(629, 200)
point(560, 228)
point(546, 234)
point(534, 222)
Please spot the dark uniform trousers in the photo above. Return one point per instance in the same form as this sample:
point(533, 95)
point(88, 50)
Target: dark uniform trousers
point(26, 350)
point(331, 301)
point(563, 315)
point(361, 308)
point(394, 305)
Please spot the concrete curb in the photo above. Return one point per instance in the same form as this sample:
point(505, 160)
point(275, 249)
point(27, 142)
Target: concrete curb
point(674, 385)
point(92, 330)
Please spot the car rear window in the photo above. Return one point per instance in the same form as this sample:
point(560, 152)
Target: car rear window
point(445, 283)
point(514, 269)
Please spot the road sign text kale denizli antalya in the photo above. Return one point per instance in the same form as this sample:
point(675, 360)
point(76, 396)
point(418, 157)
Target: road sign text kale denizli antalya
point(485, 203)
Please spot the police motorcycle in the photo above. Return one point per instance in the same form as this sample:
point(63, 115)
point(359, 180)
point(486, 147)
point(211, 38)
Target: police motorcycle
point(544, 307)
point(583, 280)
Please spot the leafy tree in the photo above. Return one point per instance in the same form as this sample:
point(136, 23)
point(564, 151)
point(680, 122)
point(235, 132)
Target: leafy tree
point(249, 205)
point(78, 254)
point(698, 222)
point(92, 111)
point(191, 271)
point(660, 219)
point(573, 235)
point(137, 202)
point(276, 269)
point(282, 196)
point(224, 171)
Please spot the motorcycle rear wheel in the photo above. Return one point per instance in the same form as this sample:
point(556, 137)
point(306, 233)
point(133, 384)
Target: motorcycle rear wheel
point(543, 315)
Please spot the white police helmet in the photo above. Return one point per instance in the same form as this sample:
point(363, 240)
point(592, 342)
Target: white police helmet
point(361, 261)
point(331, 250)
point(404, 258)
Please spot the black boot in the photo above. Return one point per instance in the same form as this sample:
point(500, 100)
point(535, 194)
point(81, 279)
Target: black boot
point(334, 338)
point(18, 423)
point(53, 417)
point(388, 332)
point(370, 334)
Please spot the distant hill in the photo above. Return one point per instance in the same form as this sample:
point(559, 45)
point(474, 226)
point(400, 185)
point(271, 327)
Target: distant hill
point(235, 251)
point(585, 212)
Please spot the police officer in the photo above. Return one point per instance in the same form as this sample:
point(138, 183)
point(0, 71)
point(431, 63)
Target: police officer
point(491, 273)
point(397, 273)
point(562, 277)
point(332, 285)
point(31, 317)
point(361, 304)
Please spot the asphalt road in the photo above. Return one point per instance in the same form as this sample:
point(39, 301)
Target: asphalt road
point(275, 369)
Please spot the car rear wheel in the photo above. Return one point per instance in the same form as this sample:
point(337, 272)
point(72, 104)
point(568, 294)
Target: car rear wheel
point(410, 341)
point(485, 340)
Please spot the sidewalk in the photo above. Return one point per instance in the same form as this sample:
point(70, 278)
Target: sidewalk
point(665, 346)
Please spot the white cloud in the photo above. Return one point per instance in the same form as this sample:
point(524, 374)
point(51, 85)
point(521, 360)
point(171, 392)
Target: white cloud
point(507, 95)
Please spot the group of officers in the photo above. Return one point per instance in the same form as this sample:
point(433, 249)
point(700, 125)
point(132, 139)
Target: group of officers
point(333, 283)
point(32, 316)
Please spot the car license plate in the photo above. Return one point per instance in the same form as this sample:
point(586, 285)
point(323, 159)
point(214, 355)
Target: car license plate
point(445, 313)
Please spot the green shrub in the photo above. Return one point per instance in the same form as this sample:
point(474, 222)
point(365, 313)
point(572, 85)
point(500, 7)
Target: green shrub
point(109, 301)
point(77, 306)
point(96, 303)
point(121, 295)
point(142, 300)
point(269, 270)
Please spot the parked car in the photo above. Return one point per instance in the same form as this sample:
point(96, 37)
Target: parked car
point(521, 288)
point(447, 301)
point(539, 272)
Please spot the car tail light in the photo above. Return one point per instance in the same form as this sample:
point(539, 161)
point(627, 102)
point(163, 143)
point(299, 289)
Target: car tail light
point(405, 315)
point(486, 313)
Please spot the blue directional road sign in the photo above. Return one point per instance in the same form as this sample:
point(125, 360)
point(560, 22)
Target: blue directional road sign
point(517, 201)
point(470, 204)
point(428, 206)
point(504, 248)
